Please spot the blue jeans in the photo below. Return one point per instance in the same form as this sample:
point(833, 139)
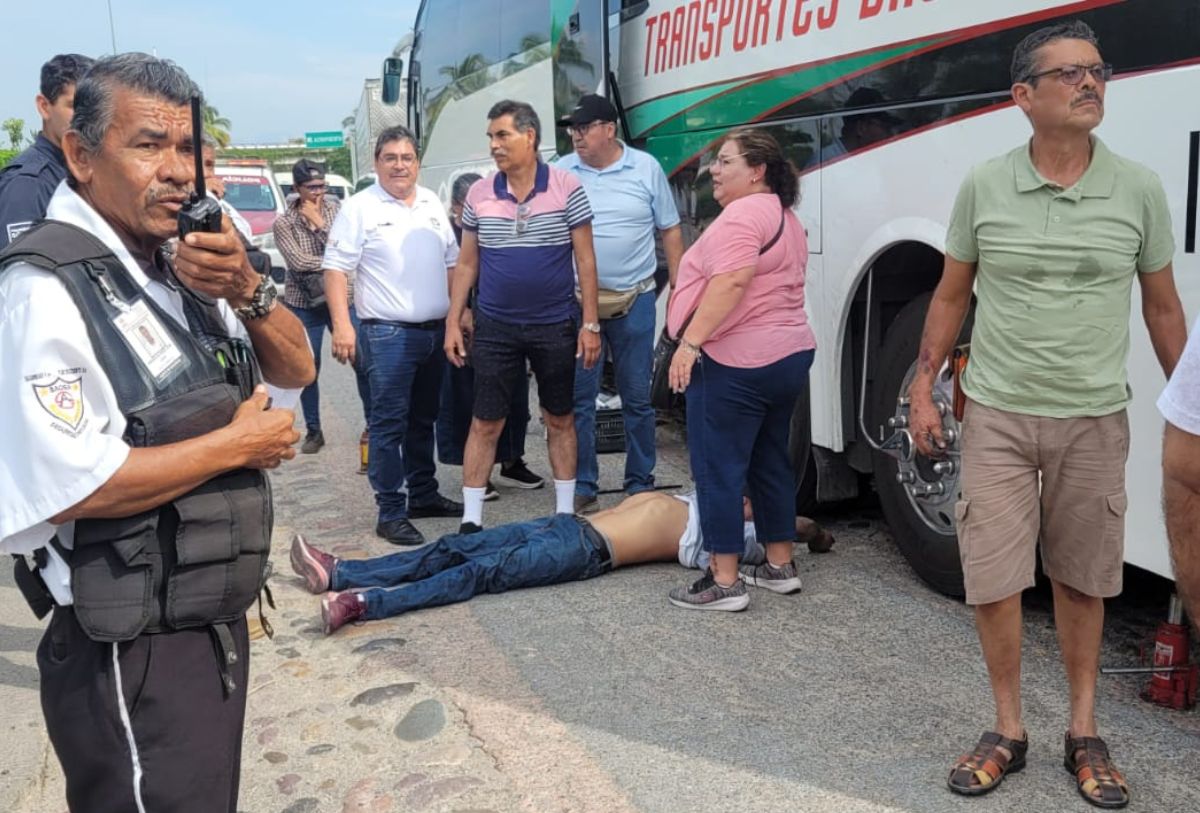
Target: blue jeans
point(738, 421)
point(631, 340)
point(456, 567)
point(405, 366)
point(315, 321)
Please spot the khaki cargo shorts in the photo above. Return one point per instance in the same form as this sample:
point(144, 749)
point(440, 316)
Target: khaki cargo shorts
point(1058, 480)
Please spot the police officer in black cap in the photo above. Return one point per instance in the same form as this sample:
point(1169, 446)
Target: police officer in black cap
point(28, 181)
point(137, 432)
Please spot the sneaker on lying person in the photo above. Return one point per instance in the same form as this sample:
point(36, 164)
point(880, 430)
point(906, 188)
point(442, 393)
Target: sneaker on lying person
point(706, 594)
point(782, 579)
point(340, 609)
point(312, 564)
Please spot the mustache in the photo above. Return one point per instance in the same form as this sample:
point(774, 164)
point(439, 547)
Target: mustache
point(156, 193)
point(1088, 96)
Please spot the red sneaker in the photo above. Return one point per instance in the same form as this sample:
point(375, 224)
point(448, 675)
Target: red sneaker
point(340, 609)
point(314, 565)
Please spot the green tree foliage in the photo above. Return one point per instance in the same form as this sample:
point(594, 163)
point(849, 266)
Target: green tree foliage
point(6, 156)
point(15, 128)
point(216, 126)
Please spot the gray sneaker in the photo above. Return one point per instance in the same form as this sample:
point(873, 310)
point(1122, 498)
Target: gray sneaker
point(706, 594)
point(778, 579)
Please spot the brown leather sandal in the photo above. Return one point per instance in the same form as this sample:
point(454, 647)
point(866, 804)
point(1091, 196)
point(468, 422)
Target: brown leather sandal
point(1088, 760)
point(987, 765)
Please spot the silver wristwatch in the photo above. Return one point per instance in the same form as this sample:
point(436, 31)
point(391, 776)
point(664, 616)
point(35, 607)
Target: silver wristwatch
point(261, 303)
point(591, 327)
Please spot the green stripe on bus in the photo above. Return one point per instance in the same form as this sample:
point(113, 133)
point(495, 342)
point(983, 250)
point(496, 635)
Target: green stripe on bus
point(740, 102)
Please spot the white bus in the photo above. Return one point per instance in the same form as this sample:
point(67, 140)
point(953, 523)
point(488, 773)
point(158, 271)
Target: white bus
point(883, 105)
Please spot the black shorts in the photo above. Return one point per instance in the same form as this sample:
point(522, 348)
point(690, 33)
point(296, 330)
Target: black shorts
point(498, 354)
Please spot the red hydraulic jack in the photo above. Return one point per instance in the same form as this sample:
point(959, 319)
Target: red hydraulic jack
point(1173, 680)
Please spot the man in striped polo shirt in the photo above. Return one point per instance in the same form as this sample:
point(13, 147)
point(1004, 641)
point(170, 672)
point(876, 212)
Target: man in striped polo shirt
point(526, 233)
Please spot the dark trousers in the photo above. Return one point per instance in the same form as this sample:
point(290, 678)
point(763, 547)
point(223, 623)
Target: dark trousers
point(405, 366)
point(315, 321)
point(454, 417)
point(738, 421)
point(143, 725)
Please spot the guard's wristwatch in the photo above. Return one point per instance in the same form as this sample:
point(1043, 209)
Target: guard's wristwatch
point(591, 327)
point(261, 303)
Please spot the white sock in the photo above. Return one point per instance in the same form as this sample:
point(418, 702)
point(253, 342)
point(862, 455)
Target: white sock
point(473, 505)
point(564, 496)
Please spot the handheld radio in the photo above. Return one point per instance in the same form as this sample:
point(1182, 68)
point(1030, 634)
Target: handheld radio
point(200, 213)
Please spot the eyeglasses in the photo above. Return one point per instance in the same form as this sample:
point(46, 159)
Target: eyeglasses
point(522, 221)
point(314, 187)
point(724, 161)
point(582, 129)
point(391, 159)
point(1073, 74)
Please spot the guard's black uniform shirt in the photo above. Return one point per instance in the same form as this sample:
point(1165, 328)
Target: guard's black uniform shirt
point(26, 186)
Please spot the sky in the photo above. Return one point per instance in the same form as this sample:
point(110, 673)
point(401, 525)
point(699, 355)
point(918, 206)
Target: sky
point(275, 69)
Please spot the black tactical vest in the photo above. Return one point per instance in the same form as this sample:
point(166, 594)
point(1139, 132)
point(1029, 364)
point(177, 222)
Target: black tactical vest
point(200, 559)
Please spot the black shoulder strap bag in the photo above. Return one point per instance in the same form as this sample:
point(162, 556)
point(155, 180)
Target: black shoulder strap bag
point(661, 396)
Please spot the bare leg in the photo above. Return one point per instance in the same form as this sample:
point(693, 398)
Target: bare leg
point(1080, 622)
point(560, 441)
point(480, 451)
point(779, 553)
point(999, 625)
point(724, 567)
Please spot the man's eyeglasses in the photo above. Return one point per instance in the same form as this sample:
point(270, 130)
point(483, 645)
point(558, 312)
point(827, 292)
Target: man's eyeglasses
point(391, 159)
point(578, 130)
point(314, 187)
point(522, 221)
point(1073, 74)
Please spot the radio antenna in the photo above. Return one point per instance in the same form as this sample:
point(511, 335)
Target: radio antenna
point(197, 150)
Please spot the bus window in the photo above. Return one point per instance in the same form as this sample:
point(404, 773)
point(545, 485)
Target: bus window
point(523, 27)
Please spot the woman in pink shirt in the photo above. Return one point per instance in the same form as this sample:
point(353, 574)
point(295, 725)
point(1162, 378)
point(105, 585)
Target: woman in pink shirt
point(743, 360)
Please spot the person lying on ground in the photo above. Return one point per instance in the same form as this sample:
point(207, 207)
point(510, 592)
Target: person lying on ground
point(647, 527)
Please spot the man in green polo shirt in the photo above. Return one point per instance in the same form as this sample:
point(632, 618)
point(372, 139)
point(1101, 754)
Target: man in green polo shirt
point(1051, 236)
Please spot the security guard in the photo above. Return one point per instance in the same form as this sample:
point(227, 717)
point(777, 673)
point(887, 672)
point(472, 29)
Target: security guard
point(136, 438)
point(28, 181)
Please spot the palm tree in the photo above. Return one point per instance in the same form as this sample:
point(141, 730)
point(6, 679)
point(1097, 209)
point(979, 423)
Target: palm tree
point(216, 126)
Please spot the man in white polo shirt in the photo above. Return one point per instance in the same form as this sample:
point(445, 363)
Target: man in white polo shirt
point(396, 237)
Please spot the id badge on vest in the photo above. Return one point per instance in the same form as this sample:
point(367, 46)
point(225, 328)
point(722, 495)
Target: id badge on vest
point(148, 339)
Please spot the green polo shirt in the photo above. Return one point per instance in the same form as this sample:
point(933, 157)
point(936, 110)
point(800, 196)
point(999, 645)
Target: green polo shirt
point(1054, 268)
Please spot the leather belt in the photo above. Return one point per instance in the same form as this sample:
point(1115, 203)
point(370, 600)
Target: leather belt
point(431, 324)
point(596, 538)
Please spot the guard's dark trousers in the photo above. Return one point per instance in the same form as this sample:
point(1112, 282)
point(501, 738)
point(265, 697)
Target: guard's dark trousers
point(144, 726)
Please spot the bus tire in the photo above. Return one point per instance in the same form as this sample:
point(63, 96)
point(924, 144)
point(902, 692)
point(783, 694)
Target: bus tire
point(804, 466)
point(924, 535)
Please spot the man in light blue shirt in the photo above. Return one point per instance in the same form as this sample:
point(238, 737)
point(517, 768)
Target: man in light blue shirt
point(630, 200)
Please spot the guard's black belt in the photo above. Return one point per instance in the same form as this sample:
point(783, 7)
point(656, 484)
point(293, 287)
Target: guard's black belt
point(596, 538)
point(431, 324)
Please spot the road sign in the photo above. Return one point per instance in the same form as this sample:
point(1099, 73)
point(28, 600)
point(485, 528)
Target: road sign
point(330, 139)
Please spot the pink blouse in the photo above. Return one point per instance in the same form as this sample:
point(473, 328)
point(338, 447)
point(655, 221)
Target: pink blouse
point(769, 323)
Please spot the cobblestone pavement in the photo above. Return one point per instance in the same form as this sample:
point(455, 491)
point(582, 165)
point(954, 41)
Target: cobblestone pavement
point(855, 695)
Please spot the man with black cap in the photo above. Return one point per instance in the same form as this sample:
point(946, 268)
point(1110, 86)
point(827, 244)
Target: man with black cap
point(631, 199)
point(301, 233)
point(28, 181)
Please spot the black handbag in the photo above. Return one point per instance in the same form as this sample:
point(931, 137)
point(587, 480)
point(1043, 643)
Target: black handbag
point(661, 396)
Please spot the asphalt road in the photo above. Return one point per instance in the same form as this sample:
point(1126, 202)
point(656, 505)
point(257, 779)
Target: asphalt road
point(855, 695)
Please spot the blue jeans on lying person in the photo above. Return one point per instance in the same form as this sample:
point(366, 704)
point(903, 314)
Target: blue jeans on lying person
point(550, 550)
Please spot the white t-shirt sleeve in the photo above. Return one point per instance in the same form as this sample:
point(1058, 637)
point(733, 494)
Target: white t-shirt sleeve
point(61, 420)
point(1180, 401)
point(344, 247)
